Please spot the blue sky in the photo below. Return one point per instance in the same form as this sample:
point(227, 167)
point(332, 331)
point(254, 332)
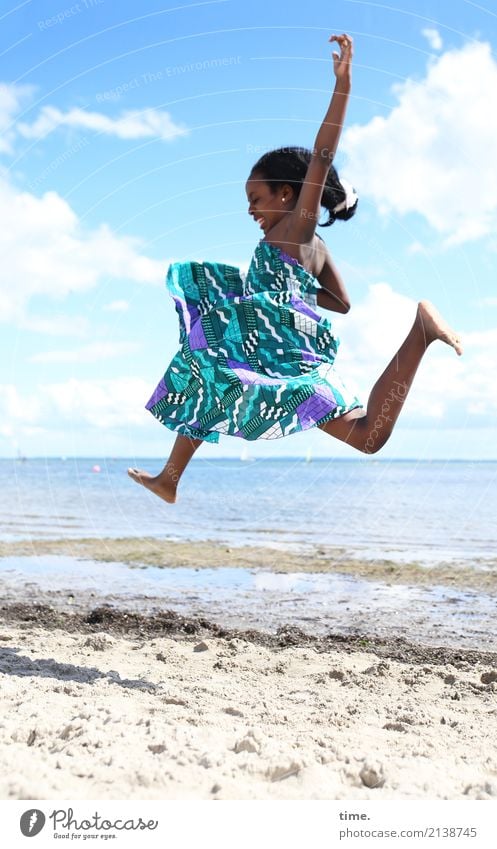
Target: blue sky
point(127, 133)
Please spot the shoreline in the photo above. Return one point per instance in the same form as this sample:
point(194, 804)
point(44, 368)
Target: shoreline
point(138, 552)
point(317, 603)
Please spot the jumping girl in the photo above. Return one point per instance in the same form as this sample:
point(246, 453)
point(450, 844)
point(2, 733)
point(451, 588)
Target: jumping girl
point(256, 360)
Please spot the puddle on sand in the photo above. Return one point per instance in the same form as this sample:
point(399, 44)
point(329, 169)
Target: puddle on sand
point(242, 598)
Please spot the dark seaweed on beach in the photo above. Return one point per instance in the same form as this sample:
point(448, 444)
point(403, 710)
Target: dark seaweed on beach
point(171, 624)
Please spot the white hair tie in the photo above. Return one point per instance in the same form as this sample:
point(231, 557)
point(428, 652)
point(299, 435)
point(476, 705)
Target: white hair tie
point(350, 197)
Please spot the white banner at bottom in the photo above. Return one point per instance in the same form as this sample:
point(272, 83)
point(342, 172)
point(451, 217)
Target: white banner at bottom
point(246, 824)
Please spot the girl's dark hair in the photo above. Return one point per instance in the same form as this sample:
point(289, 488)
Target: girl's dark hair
point(288, 165)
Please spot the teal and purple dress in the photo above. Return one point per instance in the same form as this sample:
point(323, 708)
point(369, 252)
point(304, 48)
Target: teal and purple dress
point(255, 360)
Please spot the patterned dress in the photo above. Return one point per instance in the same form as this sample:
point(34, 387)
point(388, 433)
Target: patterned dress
point(255, 359)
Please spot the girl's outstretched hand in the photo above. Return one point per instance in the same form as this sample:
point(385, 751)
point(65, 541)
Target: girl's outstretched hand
point(342, 63)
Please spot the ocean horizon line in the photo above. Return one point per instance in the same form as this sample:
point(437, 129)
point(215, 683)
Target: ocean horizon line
point(287, 458)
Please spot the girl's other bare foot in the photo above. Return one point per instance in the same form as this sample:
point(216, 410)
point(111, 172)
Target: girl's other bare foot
point(435, 327)
point(160, 485)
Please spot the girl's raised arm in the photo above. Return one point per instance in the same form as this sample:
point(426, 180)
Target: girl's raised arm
point(305, 215)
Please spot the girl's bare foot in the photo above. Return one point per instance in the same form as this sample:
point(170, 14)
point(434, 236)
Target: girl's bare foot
point(161, 485)
point(435, 327)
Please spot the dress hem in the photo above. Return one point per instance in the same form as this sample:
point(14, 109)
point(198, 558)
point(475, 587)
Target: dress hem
point(212, 436)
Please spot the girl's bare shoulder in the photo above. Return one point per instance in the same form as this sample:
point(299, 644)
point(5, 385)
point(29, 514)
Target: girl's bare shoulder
point(312, 255)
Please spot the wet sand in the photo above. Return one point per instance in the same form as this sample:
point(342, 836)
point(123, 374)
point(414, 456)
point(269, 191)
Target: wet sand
point(318, 603)
point(150, 551)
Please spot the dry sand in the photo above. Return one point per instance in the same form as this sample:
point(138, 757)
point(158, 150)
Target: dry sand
point(118, 707)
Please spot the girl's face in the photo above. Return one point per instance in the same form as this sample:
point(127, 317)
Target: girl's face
point(266, 207)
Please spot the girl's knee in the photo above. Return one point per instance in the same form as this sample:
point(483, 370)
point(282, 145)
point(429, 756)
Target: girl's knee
point(373, 444)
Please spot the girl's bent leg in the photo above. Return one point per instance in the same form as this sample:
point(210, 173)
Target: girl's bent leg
point(166, 482)
point(369, 430)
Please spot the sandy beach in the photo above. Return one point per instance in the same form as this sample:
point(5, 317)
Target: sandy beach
point(114, 705)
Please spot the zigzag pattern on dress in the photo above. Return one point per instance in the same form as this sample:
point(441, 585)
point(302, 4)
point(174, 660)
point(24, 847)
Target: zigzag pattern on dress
point(255, 359)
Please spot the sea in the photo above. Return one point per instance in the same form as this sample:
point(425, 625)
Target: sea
point(424, 511)
point(404, 511)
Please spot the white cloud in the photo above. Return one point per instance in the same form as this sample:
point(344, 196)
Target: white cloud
point(11, 97)
point(117, 306)
point(99, 403)
point(372, 333)
point(416, 248)
point(433, 37)
point(44, 250)
point(57, 324)
point(92, 353)
point(490, 301)
point(131, 124)
point(435, 153)
point(15, 409)
point(103, 404)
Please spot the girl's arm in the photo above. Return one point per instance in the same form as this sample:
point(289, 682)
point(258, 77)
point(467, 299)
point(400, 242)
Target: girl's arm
point(329, 134)
point(305, 215)
point(333, 294)
point(329, 301)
